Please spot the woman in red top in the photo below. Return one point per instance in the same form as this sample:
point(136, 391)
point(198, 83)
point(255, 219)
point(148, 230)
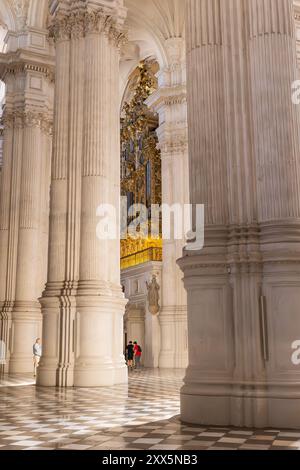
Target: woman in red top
point(137, 354)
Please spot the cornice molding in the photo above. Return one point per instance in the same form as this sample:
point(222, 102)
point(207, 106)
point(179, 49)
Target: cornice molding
point(24, 61)
point(167, 96)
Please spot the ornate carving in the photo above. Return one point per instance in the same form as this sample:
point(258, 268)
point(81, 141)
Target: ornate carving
point(60, 28)
point(153, 296)
point(20, 8)
point(81, 23)
point(140, 163)
point(27, 118)
point(77, 24)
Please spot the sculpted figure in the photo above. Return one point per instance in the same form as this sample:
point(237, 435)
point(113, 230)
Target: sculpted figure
point(153, 296)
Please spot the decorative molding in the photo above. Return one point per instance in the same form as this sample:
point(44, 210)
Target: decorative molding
point(22, 67)
point(175, 141)
point(81, 23)
point(21, 119)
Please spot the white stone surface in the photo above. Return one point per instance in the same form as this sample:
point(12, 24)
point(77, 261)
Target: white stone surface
point(83, 305)
point(169, 101)
point(243, 288)
point(24, 200)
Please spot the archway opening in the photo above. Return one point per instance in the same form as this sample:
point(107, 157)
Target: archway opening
point(141, 191)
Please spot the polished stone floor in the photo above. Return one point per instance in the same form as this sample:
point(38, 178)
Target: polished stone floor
point(145, 416)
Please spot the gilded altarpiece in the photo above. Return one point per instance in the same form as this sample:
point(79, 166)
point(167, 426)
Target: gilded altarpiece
point(141, 165)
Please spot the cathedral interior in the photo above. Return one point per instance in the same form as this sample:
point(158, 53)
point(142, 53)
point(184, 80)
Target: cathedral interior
point(117, 118)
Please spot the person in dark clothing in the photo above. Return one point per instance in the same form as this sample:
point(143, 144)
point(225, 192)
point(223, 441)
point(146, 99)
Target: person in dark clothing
point(130, 354)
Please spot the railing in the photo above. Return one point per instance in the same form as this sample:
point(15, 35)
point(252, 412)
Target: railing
point(145, 256)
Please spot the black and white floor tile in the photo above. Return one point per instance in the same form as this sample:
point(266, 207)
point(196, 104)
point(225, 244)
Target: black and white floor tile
point(143, 416)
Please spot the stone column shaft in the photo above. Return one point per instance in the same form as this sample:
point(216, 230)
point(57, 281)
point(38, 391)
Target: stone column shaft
point(6, 294)
point(24, 201)
point(83, 304)
point(243, 290)
point(273, 69)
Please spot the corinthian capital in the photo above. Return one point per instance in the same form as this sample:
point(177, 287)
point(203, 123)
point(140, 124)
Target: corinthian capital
point(21, 118)
point(81, 18)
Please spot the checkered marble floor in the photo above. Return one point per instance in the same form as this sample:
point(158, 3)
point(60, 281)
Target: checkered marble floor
point(143, 416)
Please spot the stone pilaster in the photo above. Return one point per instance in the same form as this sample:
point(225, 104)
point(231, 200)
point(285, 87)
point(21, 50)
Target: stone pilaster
point(24, 201)
point(83, 304)
point(243, 288)
point(169, 101)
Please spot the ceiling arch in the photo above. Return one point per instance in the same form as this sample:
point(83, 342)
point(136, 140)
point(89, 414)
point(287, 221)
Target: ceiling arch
point(155, 21)
point(150, 23)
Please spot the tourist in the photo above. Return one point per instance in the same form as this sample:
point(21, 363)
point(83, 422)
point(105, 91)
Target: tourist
point(130, 354)
point(137, 354)
point(37, 352)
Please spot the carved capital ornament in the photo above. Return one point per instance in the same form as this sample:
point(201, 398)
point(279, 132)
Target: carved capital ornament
point(80, 23)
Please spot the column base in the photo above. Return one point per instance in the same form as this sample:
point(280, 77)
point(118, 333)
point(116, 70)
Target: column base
point(174, 351)
point(48, 376)
point(26, 328)
point(204, 410)
point(250, 408)
point(167, 360)
point(99, 376)
point(5, 327)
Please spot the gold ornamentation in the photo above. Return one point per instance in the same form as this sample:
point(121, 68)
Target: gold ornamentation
point(140, 164)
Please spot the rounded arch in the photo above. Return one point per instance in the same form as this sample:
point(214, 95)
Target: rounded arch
point(127, 68)
point(155, 22)
point(142, 33)
point(126, 94)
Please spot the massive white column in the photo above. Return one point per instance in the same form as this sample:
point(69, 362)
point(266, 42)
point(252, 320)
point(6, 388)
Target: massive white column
point(243, 288)
point(276, 139)
point(24, 201)
point(83, 304)
point(169, 101)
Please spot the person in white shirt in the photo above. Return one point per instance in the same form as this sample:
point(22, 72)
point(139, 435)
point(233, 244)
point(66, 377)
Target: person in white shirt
point(37, 352)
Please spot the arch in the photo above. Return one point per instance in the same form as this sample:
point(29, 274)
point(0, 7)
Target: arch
point(150, 23)
point(155, 21)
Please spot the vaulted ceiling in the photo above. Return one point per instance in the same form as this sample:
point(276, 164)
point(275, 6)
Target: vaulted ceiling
point(150, 23)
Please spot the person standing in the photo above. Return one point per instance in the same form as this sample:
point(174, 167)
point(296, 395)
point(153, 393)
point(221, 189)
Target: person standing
point(130, 354)
point(137, 355)
point(37, 352)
